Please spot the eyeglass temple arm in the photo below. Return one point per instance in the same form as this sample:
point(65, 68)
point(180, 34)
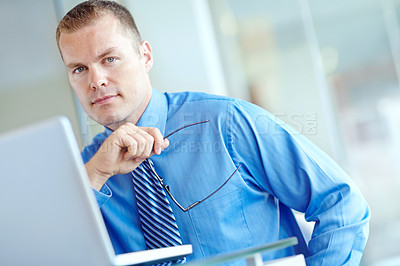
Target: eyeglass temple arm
point(166, 187)
point(189, 125)
point(234, 172)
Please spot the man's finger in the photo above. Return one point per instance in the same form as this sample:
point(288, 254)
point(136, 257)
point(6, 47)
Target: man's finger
point(144, 141)
point(158, 139)
point(148, 142)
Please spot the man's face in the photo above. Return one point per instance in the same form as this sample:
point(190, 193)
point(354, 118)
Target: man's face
point(108, 75)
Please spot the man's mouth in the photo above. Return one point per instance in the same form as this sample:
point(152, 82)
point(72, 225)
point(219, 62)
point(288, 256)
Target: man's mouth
point(104, 100)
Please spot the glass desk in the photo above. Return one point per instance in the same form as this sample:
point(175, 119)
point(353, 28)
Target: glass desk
point(252, 255)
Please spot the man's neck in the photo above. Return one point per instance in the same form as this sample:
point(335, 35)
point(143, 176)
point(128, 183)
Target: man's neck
point(135, 116)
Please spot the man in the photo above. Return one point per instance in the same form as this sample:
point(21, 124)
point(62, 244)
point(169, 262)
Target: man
point(108, 66)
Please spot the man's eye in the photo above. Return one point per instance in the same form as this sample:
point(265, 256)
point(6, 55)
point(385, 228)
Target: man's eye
point(110, 59)
point(79, 70)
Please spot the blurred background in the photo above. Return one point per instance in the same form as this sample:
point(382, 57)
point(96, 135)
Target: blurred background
point(328, 68)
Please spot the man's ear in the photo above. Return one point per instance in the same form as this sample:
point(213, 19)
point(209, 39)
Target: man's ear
point(146, 55)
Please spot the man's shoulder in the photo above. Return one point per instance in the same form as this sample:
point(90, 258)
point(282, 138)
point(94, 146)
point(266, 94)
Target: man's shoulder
point(201, 100)
point(90, 149)
point(188, 97)
point(100, 137)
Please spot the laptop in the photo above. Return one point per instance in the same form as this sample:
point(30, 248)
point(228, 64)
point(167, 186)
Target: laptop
point(49, 215)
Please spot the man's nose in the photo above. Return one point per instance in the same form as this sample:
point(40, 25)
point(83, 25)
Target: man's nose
point(97, 79)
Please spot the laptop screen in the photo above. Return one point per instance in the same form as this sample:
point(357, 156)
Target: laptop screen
point(49, 212)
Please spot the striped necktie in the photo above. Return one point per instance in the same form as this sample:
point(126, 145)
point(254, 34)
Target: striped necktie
point(158, 222)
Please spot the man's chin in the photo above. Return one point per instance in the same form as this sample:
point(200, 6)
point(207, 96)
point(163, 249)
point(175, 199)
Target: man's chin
point(109, 121)
point(113, 124)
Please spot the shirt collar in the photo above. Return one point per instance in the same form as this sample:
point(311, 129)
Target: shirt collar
point(155, 114)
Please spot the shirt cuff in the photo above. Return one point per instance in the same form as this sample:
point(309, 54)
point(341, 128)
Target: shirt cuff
point(103, 195)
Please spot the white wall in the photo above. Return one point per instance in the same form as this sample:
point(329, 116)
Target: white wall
point(181, 36)
point(33, 83)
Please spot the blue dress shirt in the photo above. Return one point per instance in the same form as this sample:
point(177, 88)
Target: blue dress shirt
point(281, 170)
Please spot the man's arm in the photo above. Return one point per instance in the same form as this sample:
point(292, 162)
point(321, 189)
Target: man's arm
point(288, 166)
point(123, 151)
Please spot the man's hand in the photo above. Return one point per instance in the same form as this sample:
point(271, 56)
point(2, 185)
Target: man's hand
point(124, 150)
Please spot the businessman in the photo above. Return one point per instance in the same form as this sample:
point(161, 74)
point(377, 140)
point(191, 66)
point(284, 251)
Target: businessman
point(247, 170)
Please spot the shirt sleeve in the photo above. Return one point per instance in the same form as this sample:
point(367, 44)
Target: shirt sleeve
point(87, 153)
point(103, 195)
point(288, 166)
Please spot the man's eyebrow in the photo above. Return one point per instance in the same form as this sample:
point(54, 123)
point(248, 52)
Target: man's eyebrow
point(73, 65)
point(106, 52)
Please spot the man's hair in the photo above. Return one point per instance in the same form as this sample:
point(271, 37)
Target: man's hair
point(86, 13)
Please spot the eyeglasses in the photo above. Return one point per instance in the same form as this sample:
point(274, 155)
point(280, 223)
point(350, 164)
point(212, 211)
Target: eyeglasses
point(166, 187)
